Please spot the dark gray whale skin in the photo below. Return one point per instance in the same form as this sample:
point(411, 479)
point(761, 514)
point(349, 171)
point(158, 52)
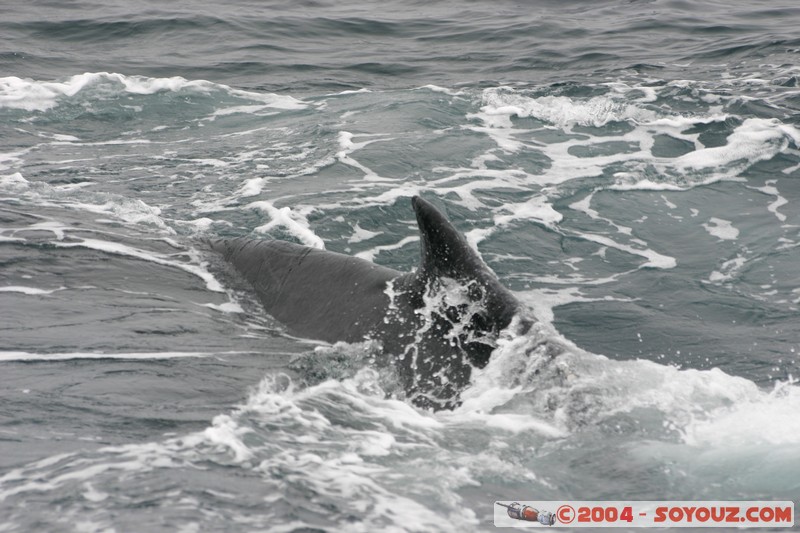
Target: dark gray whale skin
point(334, 297)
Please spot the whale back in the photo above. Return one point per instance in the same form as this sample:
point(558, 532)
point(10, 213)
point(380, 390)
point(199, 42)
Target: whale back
point(435, 324)
point(316, 294)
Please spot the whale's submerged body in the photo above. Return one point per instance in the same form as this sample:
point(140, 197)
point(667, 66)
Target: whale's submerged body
point(436, 323)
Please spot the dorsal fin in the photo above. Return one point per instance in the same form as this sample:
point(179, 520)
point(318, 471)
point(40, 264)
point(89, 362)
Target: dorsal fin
point(443, 249)
point(445, 252)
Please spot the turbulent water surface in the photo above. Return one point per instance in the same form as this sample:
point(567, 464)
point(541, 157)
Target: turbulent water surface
point(627, 168)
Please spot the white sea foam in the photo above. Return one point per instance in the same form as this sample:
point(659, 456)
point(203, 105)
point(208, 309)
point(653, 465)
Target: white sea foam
point(537, 208)
point(480, 179)
point(437, 89)
point(775, 413)
point(225, 432)
point(780, 201)
point(348, 146)
point(202, 224)
point(30, 95)
point(563, 111)
point(707, 408)
point(14, 180)
point(633, 182)
point(668, 203)
point(243, 109)
point(293, 221)
point(402, 461)
point(29, 290)
point(129, 210)
point(756, 139)
point(510, 422)
point(721, 229)
point(227, 307)
point(252, 187)
point(360, 234)
point(728, 270)
point(351, 91)
point(476, 235)
point(69, 356)
point(654, 259)
point(115, 248)
point(370, 254)
point(753, 141)
point(585, 206)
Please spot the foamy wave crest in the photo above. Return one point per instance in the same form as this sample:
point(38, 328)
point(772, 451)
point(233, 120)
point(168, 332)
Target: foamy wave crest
point(574, 391)
point(70, 356)
point(774, 417)
point(130, 210)
point(656, 149)
point(563, 111)
point(294, 222)
point(33, 95)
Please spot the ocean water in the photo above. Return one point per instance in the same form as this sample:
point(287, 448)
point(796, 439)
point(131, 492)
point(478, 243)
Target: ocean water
point(629, 169)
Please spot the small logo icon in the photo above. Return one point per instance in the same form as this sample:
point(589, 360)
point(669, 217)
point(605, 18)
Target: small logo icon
point(529, 514)
point(565, 514)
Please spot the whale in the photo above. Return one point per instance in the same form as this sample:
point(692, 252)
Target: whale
point(434, 325)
